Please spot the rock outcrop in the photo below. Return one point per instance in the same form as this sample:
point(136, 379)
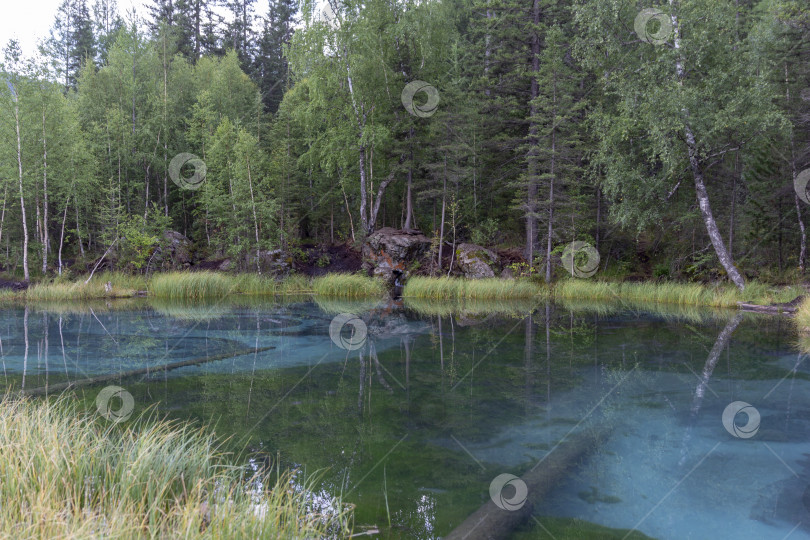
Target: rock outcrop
point(388, 252)
point(177, 250)
point(476, 262)
point(272, 261)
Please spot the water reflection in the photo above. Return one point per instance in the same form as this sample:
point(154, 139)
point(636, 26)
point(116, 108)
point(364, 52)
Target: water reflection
point(413, 426)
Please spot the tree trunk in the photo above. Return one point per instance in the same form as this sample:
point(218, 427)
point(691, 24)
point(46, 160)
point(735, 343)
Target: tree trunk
point(444, 204)
point(255, 220)
point(361, 122)
point(694, 164)
point(533, 158)
point(22, 195)
point(408, 196)
point(803, 243)
point(44, 196)
point(62, 234)
point(3, 213)
point(553, 165)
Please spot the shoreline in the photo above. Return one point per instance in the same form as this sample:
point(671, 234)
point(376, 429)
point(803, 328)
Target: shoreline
point(208, 285)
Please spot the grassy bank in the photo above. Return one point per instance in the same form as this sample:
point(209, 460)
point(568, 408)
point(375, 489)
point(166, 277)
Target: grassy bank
point(70, 474)
point(681, 294)
point(802, 317)
point(195, 286)
point(446, 288)
point(198, 286)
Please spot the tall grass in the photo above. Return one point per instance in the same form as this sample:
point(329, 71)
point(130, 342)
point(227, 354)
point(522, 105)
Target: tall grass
point(446, 288)
point(69, 474)
point(348, 286)
point(682, 294)
point(191, 285)
point(61, 290)
point(802, 318)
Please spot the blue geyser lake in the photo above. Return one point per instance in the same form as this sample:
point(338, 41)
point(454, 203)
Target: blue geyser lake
point(414, 425)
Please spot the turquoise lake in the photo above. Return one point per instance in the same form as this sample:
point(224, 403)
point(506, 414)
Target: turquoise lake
point(413, 416)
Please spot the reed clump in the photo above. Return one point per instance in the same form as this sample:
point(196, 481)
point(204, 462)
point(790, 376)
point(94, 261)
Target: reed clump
point(348, 286)
point(802, 318)
point(71, 474)
point(62, 290)
point(682, 294)
point(449, 288)
point(191, 285)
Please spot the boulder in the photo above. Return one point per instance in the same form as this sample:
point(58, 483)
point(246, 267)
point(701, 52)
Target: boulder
point(178, 249)
point(273, 261)
point(476, 261)
point(389, 252)
point(507, 273)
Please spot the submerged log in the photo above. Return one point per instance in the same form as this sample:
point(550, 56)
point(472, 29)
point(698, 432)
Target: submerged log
point(491, 522)
point(140, 371)
point(778, 308)
point(787, 307)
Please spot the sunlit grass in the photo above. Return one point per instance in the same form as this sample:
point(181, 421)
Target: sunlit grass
point(61, 290)
point(191, 285)
point(802, 318)
point(254, 284)
point(348, 286)
point(71, 474)
point(682, 294)
point(447, 288)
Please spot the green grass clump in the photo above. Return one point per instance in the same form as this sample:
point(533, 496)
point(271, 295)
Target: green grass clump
point(188, 285)
point(254, 284)
point(447, 288)
point(682, 294)
point(802, 318)
point(348, 286)
point(61, 290)
point(71, 474)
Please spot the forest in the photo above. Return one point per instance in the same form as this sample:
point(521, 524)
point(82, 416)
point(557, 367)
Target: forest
point(673, 137)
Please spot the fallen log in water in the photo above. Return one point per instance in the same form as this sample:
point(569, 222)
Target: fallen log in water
point(140, 371)
point(779, 308)
point(490, 522)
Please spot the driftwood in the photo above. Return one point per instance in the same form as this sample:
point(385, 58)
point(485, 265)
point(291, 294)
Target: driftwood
point(490, 522)
point(787, 307)
point(60, 387)
point(778, 308)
